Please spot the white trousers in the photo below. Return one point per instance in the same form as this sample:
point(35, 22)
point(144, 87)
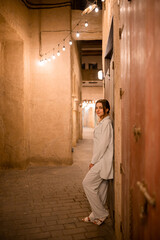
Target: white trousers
point(96, 192)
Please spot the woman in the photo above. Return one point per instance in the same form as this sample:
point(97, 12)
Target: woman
point(101, 167)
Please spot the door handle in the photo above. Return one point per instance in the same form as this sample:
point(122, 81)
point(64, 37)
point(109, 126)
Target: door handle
point(148, 199)
point(145, 193)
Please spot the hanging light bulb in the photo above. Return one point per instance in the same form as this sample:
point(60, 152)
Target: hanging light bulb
point(53, 57)
point(86, 24)
point(58, 53)
point(41, 62)
point(49, 59)
point(102, 0)
point(70, 42)
point(96, 9)
point(64, 48)
point(77, 34)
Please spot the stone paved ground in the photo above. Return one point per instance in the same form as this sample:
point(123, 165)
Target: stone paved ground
point(49, 202)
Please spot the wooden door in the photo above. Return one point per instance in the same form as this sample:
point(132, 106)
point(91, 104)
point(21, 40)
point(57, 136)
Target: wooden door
point(137, 112)
point(140, 119)
point(145, 115)
point(152, 115)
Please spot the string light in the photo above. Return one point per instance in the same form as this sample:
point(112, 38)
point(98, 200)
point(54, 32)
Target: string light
point(96, 9)
point(70, 42)
point(53, 57)
point(41, 62)
point(64, 48)
point(86, 24)
point(77, 34)
point(58, 53)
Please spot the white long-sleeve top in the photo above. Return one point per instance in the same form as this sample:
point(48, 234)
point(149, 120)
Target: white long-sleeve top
point(103, 148)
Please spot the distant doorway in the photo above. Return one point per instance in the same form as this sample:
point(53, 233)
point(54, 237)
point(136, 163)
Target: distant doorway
point(88, 114)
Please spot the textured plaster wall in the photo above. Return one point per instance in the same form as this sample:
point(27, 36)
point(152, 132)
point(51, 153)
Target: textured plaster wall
point(111, 9)
point(76, 95)
point(92, 93)
point(35, 101)
point(14, 84)
point(51, 136)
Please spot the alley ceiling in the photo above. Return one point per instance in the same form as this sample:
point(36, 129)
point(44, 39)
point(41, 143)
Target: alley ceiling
point(76, 4)
point(90, 48)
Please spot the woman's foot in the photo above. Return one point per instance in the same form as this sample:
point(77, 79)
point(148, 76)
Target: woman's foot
point(86, 219)
point(98, 221)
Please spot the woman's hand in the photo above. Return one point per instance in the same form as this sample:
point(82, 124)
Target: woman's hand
point(91, 165)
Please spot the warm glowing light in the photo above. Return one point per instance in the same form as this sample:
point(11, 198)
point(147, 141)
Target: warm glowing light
point(102, 0)
point(58, 53)
point(63, 48)
point(49, 60)
point(86, 24)
point(100, 75)
point(88, 104)
point(77, 34)
point(96, 9)
point(70, 42)
point(41, 62)
point(53, 57)
point(89, 9)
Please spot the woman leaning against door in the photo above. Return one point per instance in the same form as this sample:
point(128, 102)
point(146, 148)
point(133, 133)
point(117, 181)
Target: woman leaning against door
point(95, 183)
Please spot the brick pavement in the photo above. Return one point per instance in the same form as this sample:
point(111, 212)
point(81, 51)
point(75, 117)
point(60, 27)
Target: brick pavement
point(46, 202)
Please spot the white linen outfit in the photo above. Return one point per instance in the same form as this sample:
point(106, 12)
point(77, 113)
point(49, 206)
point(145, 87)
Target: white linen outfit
point(95, 183)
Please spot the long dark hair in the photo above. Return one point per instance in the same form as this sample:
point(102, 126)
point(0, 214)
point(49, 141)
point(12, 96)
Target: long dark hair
point(105, 104)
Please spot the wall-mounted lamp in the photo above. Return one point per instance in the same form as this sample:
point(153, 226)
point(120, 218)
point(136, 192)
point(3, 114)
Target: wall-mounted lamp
point(100, 75)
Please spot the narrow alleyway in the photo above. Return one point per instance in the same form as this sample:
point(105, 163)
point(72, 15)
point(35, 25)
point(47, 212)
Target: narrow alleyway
point(49, 202)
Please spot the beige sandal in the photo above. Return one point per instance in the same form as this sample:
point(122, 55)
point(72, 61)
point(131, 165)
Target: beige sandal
point(98, 222)
point(86, 219)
